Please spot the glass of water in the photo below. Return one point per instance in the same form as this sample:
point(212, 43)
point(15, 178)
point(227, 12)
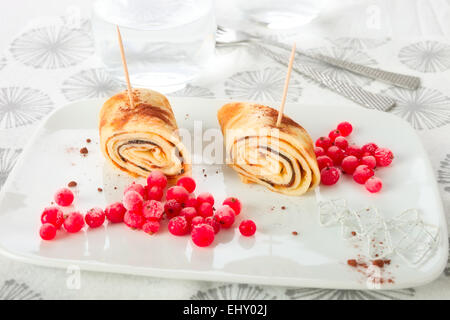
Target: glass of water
point(167, 42)
point(279, 14)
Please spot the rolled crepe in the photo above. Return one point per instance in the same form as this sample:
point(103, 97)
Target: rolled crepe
point(282, 159)
point(142, 139)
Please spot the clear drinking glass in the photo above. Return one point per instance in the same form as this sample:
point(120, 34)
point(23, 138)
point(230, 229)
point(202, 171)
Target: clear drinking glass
point(280, 14)
point(167, 42)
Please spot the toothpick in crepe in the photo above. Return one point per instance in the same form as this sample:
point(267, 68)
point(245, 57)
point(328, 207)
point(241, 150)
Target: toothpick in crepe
point(125, 68)
point(286, 85)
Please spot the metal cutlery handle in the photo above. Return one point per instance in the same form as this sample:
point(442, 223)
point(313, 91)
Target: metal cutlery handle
point(354, 93)
point(397, 79)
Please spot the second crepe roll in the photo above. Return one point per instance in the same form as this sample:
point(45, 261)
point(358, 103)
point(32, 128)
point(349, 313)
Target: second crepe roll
point(280, 158)
point(142, 138)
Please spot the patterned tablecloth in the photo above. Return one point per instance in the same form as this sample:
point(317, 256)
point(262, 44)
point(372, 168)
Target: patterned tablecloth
point(50, 63)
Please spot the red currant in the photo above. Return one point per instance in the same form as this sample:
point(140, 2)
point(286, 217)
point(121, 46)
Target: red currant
point(345, 128)
point(189, 213)
point(155, 193)
point(191, 202)
point(197, 220)
point(205, 209)
point(172, 208)
point(115, 212)
point(133, 220)
point(53, 215)
point(153, 210)
point(362, 173)
point(334, 134)
point(234, 204)
point(47, 231)
point(319, 151)
point(139, 188)
point(64, 197)
point(324, 161)
point(384, 157)
point(188, 183)
point(205, 197)
point(132, 201)
point(341, 143)
point(329, 175)
point(157, 178)
point(178, 226)
point(226, 216)
point(151, 226)
point(177, 193)
point(349, 164)
point(247, 228)
point(212, 221)
point(354, 150)
point(373, 184)
point(369, 147)
point(74, 222)
point(369, 161)
point(94, 217)
point(202, 235)
point(324, 143)
point(336, 154)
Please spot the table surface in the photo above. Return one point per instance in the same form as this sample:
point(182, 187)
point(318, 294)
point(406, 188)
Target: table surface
point(407, 36)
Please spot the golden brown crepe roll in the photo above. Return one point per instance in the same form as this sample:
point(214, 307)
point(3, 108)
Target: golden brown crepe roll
point(141, 139)
point(282, 159)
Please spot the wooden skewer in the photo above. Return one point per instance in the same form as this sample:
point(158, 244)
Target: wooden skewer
point(125, 68)
point(286, 85)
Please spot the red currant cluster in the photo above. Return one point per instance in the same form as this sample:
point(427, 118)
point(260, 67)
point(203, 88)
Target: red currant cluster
point(334, 151)
point(142, 208)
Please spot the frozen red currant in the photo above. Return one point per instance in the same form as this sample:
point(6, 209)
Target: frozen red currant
point(53, 215)
point(334, 134)
point(197, 220)
point(329, 175)
point(155, 193)
point(384, 157)
point(132, 201)
point(151, 227)
point(336, 154)
point(133, 220)
point(373, 184)
point(191, 202)
point(172, 208)
point(369, 161)
point(205, 209)
point(369, 147)
point(157, 178)
point(189, 213)
point(139, 188)
point(64, 197)
point(349, 164)
point(345, 128)
point(73, 222)
point(226, 216)
point(341, 143)
point(188, 183)
point(323, 142)
point(178, 226)
point(362, 173)
point(202, 235)
point(212, 221)
point(354, 150)
point(234, 204)
point(319, 151)
point(247, 228)
point(177, 193)
point(324, 161)
point(47, 231)
point(115, 212)
point(94, 217)
point(205, 197)
point(152, 210)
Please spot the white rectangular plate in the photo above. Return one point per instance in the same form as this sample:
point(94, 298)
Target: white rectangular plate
point(316, 257)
